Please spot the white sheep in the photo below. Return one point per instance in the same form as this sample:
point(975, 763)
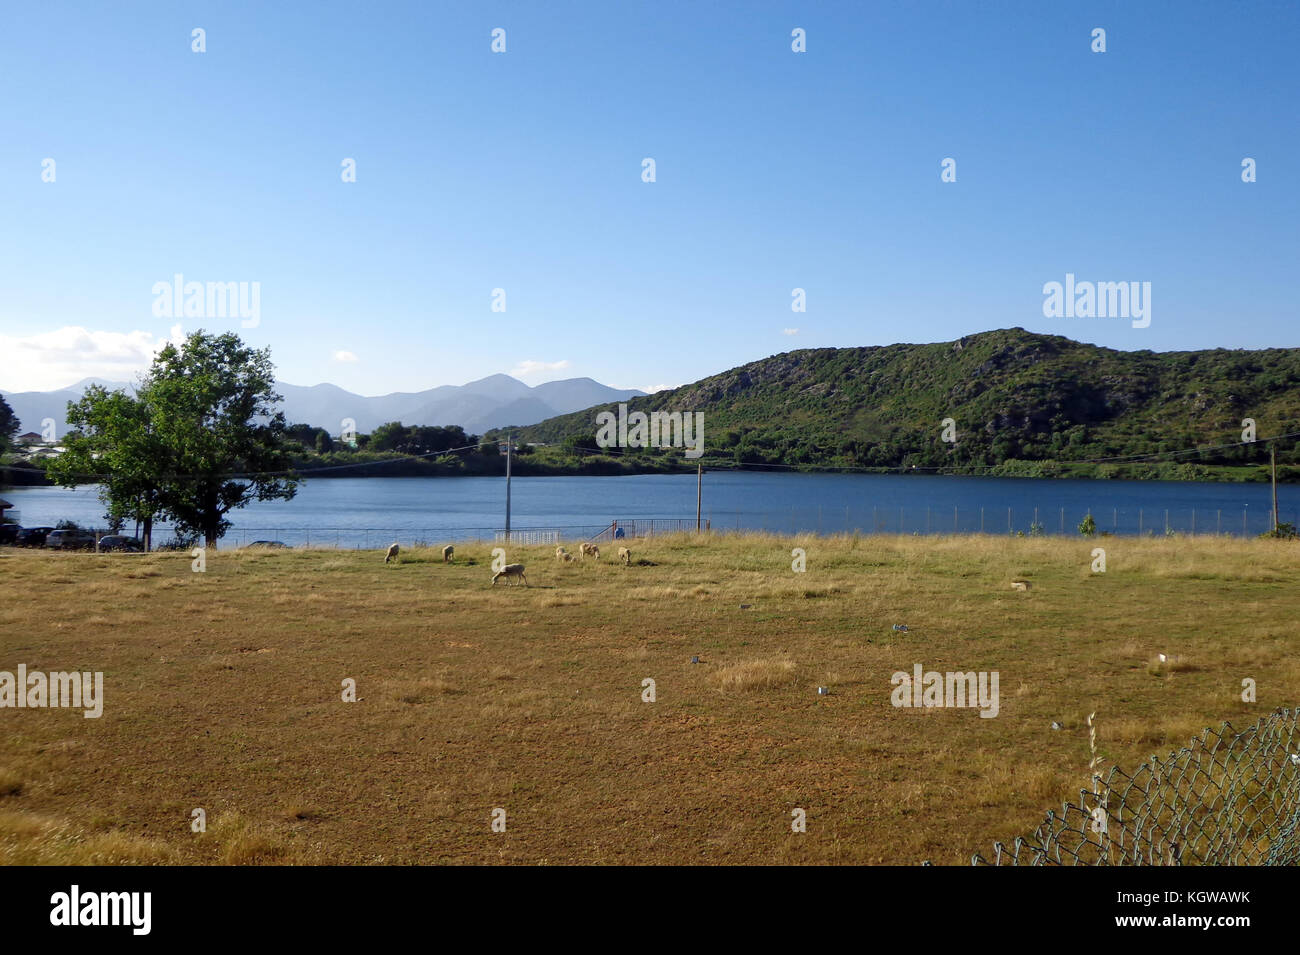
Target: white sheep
point(562, 555)
point(392, 553)
point(447, 553)
point(585, 548)
point(625, 556)
point(510, 570)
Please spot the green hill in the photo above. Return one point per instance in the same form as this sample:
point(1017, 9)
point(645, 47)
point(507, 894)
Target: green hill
point(1023, 403)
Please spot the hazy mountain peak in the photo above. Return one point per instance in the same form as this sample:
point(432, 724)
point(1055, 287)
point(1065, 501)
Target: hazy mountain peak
point(494, 401)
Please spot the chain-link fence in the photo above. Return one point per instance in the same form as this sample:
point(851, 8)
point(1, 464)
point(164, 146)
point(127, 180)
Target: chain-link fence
point(371, 538)
point(1026, 521)
point(1228, 798)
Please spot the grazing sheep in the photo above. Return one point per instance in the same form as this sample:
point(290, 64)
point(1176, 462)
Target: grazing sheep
point(585, 548)
point(561, 555)
point(1020, 585)
point(447, 553)
point(510, 570)
point(392, 553)
point(568, 558)
point(625, 556)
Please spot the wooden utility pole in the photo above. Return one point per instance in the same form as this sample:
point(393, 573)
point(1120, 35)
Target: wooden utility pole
point(1272, 460)
point(699, 492)
point(509, 444)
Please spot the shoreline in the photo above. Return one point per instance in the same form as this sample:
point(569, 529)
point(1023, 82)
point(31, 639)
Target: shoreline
point(11, 476)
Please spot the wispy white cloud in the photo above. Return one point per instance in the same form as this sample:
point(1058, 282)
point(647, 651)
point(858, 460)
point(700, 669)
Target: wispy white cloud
point(789, 331)
point(344, 356)
point(530, 367)
point(55, 359)
point(648, 389)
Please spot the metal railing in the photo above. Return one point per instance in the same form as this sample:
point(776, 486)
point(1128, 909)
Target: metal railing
point(646, 527)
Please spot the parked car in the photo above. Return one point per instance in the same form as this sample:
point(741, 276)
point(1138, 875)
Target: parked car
point(272, 544)
point(9, 533)
point(32, 536)
point(121, 542)
point(70, 539)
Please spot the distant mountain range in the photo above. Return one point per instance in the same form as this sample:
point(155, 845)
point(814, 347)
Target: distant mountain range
point(497, 401)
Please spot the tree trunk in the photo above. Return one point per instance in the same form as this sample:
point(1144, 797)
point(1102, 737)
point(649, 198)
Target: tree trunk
point(148, 534)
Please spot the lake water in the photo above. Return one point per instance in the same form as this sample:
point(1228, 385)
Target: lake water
point(372, 512)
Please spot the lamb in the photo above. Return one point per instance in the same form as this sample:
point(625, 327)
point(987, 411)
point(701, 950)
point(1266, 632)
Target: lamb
point(447, 553)
point(392, 553)
point(585, 548)
point(510, 570)
point(625, 556)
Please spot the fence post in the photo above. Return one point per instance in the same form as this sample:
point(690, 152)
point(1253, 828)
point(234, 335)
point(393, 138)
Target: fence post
point(1062, 521)
point(981, 520)
point(1139, 522)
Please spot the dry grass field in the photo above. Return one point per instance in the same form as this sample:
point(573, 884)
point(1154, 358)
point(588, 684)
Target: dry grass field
point(223, 690)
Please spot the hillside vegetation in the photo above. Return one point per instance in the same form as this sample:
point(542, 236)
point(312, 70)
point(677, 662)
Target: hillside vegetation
point(1023, 404)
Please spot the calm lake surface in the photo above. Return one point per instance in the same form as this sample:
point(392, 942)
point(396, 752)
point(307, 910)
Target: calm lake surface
point(372, 512)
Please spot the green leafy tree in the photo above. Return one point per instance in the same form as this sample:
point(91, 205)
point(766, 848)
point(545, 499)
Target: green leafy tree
point(304, 434)
point(8, 425)
point(114, 443)
point(388, 436)
point(213, 405)
point(578, 444)
point(1088, 526)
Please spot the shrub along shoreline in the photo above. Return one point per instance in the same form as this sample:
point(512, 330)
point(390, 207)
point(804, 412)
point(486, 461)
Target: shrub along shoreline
point(557, 462)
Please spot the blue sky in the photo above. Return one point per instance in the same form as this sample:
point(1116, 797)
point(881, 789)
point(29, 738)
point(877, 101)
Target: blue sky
point(522, 171)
